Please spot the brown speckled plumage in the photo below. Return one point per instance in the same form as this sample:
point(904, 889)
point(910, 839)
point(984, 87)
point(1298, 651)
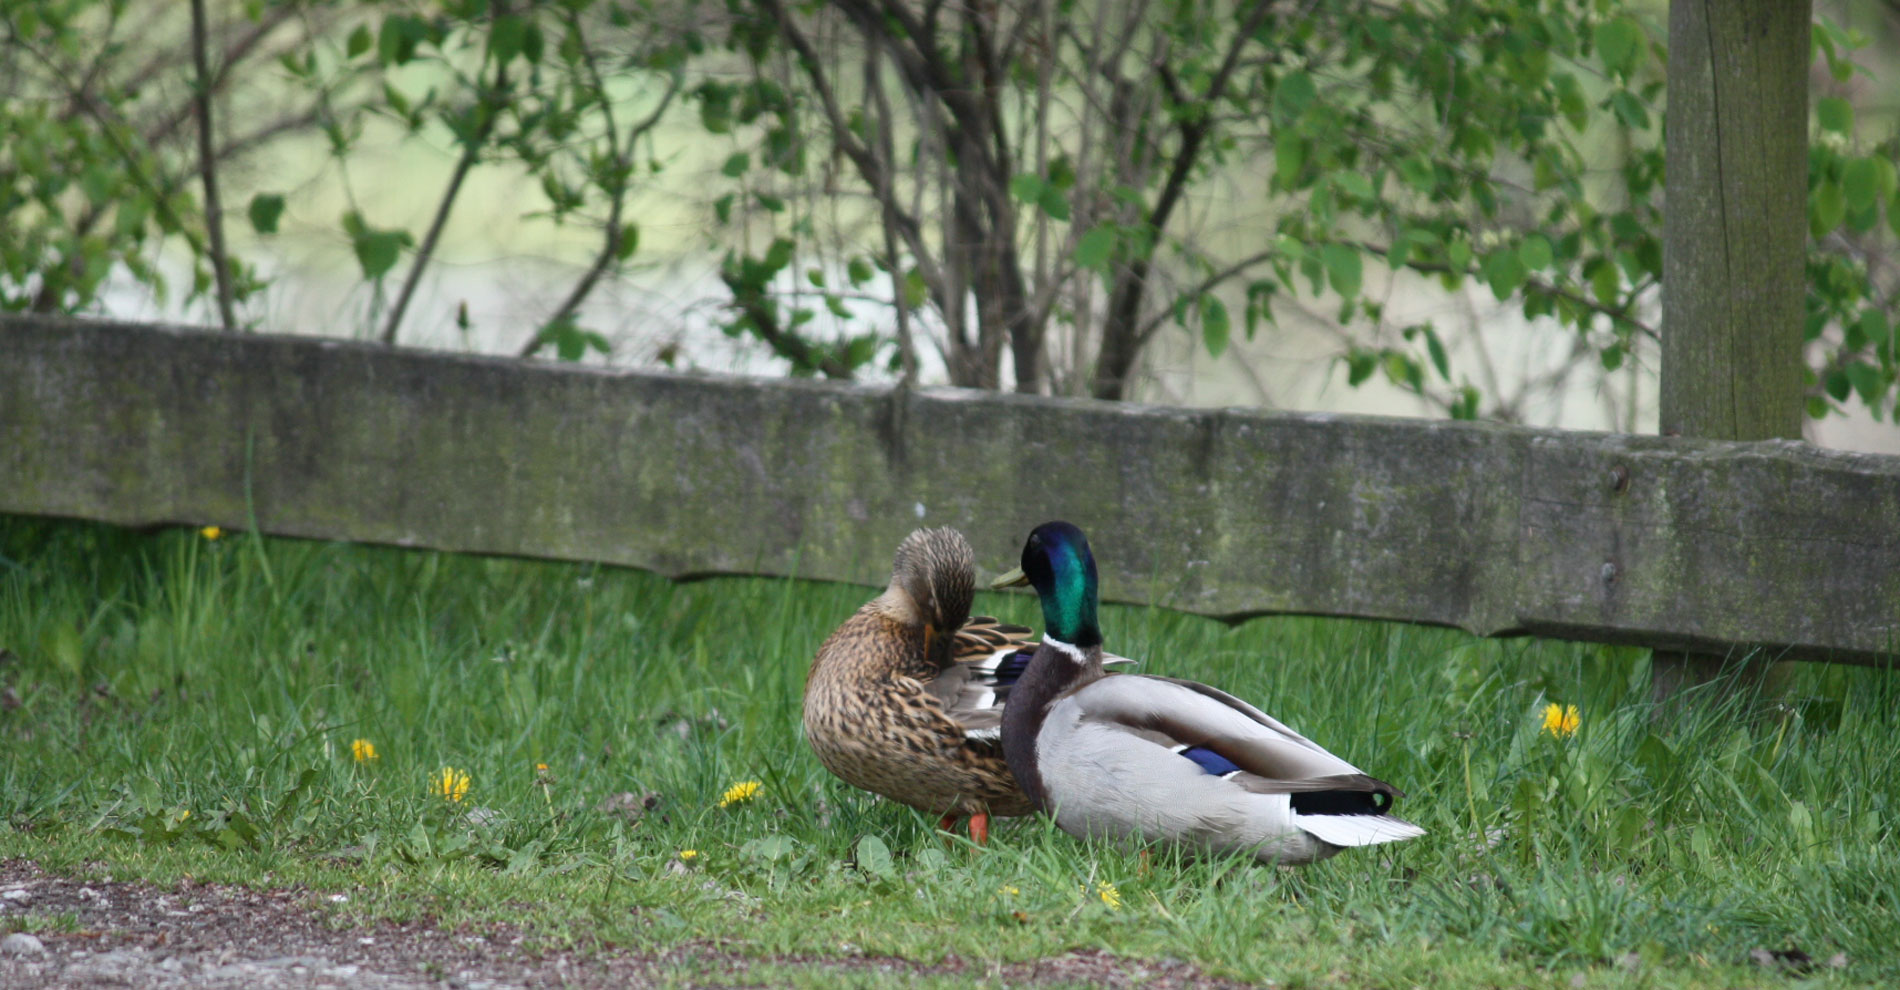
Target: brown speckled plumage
point(891, 703)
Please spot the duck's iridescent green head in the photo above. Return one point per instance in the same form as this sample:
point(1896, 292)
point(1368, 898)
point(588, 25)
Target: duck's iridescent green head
point(1058, 562)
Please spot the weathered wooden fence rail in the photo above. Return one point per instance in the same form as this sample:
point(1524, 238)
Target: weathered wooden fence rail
point(1656, 541)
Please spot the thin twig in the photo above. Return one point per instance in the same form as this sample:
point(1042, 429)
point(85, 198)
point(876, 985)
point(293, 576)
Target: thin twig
point(623, 156)
point(208, 169)
point(886, 195)
point(490, 108)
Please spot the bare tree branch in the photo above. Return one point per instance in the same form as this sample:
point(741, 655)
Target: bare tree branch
point(208, 169)
point(488, 104)
point(1620, 314)
point(886, 196)
point(1119, 343)
point(615, 231)
point(867, 163)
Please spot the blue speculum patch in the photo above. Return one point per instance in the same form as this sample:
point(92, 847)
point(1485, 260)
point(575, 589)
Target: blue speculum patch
point(1210, 761)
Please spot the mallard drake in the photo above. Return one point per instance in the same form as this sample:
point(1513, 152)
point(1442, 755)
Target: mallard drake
point(906, 698)
point(1158, 759)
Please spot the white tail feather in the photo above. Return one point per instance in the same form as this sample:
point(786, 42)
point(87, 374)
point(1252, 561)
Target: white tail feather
point(1357, 830)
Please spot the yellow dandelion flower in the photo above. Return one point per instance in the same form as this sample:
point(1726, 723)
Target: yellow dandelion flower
point(363, 751)
point(1109, 895)
point(1561, 720)
point(740, 793)
point(540, 768)
point(1008, 890)
point(211, 532)
point(689, 854)
point(451, 783)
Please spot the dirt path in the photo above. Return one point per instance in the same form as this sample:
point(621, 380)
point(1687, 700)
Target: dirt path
point(225, 938)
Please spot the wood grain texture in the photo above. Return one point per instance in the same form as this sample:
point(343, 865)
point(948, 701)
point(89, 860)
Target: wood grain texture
point(1735, 219)
point(1670, 542)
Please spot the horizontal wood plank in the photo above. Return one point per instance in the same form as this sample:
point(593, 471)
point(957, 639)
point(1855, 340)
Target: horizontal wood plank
point(1667, 542)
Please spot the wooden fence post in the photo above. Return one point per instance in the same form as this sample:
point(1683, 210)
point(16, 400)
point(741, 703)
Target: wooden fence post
point(1734, 235)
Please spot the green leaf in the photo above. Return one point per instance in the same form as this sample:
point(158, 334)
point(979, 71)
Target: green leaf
point(1096, 247)
point(1436, 349)
point(768, 848)
point(360, 41)
point(1354, 184)
point(266, 209)
point(1619, 43)
point(874, 857)
point(1605, 283)
point(1860, 181)
point(1291, 96)
point(1835, 114)
point(1629, 110)
point(1827, 209)
point(860, 351)
point(1344, 271)
point(1418, 173)
point(1885, 178)
point(1055, 203)
point(396, 42)
point(1289, 157)
point(533, 43)
point(1215, 325)
point(1359, 366)
point(1458, 254)
point(376, 250)
point(130, 214)
point(779, 254)
point(1867, 382)
point(629, 241)
point(1504, 272)
point(1837, 385)
point(1465, 406)
point(505, 38)
point(1535, 252)
point(1403, 371)
point(736, 165)
point(1570, 100)
point(1870, 328)
point(1612, 357)
point(1027, 188)
point(715, 106)
point(858, 271)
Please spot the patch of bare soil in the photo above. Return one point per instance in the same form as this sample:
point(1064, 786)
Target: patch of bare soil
point(225, 938)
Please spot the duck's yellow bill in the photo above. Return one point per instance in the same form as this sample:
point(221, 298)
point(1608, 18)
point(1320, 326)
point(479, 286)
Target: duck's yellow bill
point(1014, 579)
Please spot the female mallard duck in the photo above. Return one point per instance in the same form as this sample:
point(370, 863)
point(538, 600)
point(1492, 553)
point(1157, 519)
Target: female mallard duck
point(1160, 759)
point(906, 698)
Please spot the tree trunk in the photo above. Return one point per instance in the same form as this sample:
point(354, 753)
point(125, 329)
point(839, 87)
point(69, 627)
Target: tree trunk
point(1734, 235)
point(1121, 333)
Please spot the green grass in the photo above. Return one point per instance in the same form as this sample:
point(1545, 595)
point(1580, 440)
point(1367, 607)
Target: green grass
point(161, 674)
